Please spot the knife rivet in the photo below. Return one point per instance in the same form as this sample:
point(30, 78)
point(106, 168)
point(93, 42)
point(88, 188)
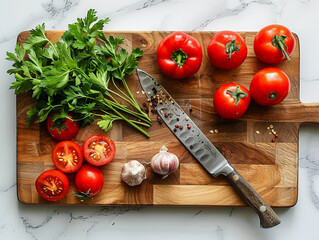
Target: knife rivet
point(235, 177)
point(262, 208)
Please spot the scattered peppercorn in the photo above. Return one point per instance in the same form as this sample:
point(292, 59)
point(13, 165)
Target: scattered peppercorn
point(165, 115)
point(191, 146)
point(175, 130)
point(176, 125)
point(276, 135)
point(177, 119)
point(189, 126)
point(181, 127)
point(273, 140)
point(144, 104)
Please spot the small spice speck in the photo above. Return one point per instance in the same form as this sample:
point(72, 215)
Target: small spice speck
point(177, 119)
point(176, 125)
point(189, 127)
point(216, 130)
point(276, 135)
point(161, 111)
point(211, 131)
point(143, 92)
point(271, 126)
point(148, 93)
point(273, 140)
point(155, 104)
point(257, 132)
point(175, 130)
point(181, 127)
point(165, 115)
point(187, 118)
point(191, 146)
point(138, 92)
point(144, 104)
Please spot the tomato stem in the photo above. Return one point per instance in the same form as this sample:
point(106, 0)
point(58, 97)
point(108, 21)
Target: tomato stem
point(231, 47)
point(237, 94)
point(272, 95)
point(278, 42)
point(179, 57)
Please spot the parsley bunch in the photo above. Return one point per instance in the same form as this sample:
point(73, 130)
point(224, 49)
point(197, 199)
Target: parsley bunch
point(84, 73)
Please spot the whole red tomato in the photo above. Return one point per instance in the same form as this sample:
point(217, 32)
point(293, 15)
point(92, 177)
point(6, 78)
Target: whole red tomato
point(179, 55)
point(269, 86)
point(52, 185)
point(231, 100)
point(88, 182)
point(98, 150)
point(274, 44)
point(62, 128)
point(67, 156)
point(227, 50)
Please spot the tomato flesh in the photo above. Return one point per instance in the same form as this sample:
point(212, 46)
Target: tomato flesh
point(67, 156)
point(98, 150)
point(52, 185)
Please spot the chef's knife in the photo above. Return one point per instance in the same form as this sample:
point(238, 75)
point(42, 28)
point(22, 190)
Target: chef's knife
point(201, 148)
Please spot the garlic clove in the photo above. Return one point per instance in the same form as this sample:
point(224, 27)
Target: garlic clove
point(133, 173)
point(164, 162)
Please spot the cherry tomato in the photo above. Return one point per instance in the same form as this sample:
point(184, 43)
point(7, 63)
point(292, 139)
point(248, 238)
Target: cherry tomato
point(62, 128)
point(274, 44)
point(269, 86)
point(88, 181)
point(52, 185)
point(227, 50)
point(98, 150)
point(231, 100)
point(179, 55)
point(67, 156)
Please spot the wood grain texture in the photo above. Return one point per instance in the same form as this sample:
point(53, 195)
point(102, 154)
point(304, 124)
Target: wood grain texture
point(271, 168)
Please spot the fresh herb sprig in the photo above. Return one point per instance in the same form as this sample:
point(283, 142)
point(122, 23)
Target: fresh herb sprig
point(84, 73)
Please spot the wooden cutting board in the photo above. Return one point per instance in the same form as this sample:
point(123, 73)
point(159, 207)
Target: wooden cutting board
point(270, 167)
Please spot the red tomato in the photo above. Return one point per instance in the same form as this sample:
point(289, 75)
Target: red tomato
point(179, 55)
point(88, 181)
point(62, 128)
point(269, 86)
point(52, 185)
point(227, 50)
point(98, 150)
point(274, 44)
point(67, 156)
point(231, 100)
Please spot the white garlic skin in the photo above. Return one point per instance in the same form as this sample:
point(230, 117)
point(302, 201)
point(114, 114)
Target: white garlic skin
point(133, 173)
point(164, 162)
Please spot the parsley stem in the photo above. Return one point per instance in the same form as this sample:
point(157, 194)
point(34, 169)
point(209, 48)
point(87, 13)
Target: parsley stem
point(129, 121)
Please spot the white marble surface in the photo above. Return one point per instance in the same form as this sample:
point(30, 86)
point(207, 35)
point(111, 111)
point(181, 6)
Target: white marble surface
point(26, 222)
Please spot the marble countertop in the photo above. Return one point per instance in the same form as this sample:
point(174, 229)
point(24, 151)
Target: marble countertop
point(26, 222)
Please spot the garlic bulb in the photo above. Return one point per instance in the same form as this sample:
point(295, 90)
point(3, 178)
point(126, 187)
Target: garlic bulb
point(133, 173)
point(164, 162)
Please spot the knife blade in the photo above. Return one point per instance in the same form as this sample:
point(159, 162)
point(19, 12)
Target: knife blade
point(201, 148)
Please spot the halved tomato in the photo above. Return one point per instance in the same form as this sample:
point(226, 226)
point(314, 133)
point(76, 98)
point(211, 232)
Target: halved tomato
point(98, 150)
point(67, 156)
point(52, 185)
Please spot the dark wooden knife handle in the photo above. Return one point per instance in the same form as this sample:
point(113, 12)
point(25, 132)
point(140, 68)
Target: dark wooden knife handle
point(268, 217)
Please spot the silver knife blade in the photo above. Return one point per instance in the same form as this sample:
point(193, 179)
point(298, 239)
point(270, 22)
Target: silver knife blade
point(201, 148)
point(190, 135)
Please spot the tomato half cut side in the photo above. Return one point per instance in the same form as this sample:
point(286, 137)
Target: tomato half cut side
point(67, 156)
point(52, 185)
point(98, 150)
